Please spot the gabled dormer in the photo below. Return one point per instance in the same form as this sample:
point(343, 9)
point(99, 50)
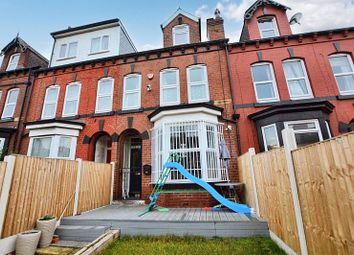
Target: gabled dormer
point(181, 28)
point(265, 19)
point(92, 41)
point(18, 54)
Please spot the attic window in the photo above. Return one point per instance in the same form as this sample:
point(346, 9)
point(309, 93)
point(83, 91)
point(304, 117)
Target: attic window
point(180, 34)
point(13, 62)
point(268, 27)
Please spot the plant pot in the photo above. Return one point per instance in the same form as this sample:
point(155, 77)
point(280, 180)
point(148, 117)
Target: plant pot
point(26, 242)
point(47, 227)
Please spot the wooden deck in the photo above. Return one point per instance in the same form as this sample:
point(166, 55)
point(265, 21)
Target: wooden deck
point(177, 221)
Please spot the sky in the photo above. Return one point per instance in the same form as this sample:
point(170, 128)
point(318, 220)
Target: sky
point(35, 19)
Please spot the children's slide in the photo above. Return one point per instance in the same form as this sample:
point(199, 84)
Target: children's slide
point(238, 208)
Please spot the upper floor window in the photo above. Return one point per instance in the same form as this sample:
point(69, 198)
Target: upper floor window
point(343, 70)
point(13, 62)
point(10, 104)
point(169, 87)
point(180, 34)
point(99, 44)
point(104, 98)
point(50, 102)
point(268, 27)
point(264, 82)
point(198, 88)
point(71, 102)
point(68, 50)
point(296, 79)
point(131, 95)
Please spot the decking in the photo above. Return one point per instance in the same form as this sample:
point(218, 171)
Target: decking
point(177, 221)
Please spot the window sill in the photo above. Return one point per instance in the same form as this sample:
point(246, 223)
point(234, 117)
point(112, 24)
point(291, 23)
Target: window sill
point(98, 52)
point(124, 111)
point(345, 97)
point(263, 104)
point(66, 58)
point(99, 114)
point(9, 119)
point(301, 98)
point(70, 117)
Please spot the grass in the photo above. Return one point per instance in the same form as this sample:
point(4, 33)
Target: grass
point(171, 245)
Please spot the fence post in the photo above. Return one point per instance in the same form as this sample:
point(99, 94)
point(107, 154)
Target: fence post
point(112, 184)
point(5, 192)
point(290, 145)
point(251, 153)
point(77, 188)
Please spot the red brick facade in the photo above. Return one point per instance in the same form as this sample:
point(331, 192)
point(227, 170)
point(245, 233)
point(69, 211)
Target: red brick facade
point(117, 121)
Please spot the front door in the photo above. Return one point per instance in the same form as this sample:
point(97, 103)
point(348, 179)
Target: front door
point(135, 169)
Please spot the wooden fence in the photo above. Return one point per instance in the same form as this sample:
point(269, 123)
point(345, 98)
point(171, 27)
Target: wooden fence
point(324, 177)
point(41, 186)
point(2, 173)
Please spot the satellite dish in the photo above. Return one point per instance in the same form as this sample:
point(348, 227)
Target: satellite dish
point(295, 18)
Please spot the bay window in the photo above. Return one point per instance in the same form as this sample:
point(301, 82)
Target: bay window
point(198, 87)
point(296, 79)
point(270, 137)
point(343, 70)
point(169, 87)
point(306, 131)
point(50, 102)
point(104, 98)
point(264, 82)
point(71, 102)
point(10, 104)
point(132, 91)
point(197, 143)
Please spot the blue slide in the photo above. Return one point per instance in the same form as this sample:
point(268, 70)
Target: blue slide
point(238, 208)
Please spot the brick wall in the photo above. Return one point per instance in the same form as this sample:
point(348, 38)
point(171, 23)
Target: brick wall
point(194, 32)
point(314, 51)
point(215, 28)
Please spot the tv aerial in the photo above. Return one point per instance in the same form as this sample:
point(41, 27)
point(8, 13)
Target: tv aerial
point(295, 18)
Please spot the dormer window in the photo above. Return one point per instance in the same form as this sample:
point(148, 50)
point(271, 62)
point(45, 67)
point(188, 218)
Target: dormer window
point(68, 50)
point(99, 44)
point(13, 62)
point(180, 34)
point(268, 27)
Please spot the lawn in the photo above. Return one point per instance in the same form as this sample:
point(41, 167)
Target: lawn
point(170, 245)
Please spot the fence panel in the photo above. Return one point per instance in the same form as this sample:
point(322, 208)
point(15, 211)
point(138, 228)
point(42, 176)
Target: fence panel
point(39, 186)
point(244, 167)
point(274, 195)
point(325, 180)
point(95, 185)
point(2, 173)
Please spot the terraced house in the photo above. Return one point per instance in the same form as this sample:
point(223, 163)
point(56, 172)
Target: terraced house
point(101, 100)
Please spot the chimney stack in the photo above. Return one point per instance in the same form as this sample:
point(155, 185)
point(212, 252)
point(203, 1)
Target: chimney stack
point(215, 27)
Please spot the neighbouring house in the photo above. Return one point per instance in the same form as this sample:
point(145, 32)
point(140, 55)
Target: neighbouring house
point(16, 77)
point(304, 81)
point(135, 108)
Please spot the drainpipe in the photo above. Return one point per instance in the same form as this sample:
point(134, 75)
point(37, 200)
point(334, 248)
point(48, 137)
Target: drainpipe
point(233, 100)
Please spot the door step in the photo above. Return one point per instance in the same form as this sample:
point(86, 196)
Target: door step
point(128, 202)
point(80, 233)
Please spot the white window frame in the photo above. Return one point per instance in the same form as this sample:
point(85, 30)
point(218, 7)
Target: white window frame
point(67, 50)
point(350, 60)
point(264, 137)
point(304, 131)
point(307, 81)
point(104, 95)
point(9, 64)
point(174, 31)
point(328, 129)
point(275, 27)
point(54, 146)
point(45, 102)
point(3, 116)
point(169, 86)
point(190, 84)
point(274, 83)
point(138, 90)
point(100, 45)
point(71, 99)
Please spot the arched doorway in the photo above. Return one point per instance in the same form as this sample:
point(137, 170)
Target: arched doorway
point(103, 149)
point(131, 163)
